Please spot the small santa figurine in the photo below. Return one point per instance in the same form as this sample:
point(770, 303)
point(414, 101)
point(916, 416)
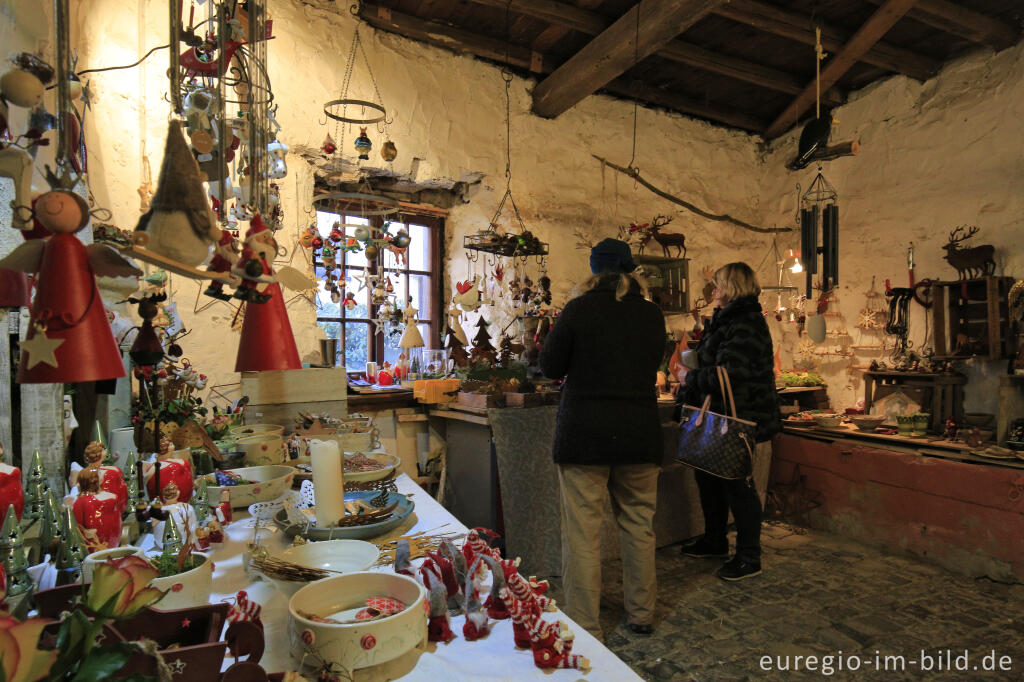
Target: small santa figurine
point(172, 469)
point(225, 257)
point(253, 266)
point(111, 478)
point(98, 513)
point(267, 342)
point(11, 489)
point(178, 512)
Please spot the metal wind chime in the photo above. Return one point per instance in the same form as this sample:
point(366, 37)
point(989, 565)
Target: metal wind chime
point(819, 233)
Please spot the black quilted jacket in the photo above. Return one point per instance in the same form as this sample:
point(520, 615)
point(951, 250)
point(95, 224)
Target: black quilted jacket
point(609, 352)
point(737, 338)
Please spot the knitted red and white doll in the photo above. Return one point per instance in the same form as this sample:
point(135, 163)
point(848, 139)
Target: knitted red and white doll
point(477, 624)
point(495, 605)
point(439, 628)
point(551, 643)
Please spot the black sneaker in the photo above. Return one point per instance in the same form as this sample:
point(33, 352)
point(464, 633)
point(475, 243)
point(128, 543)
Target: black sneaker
point(702, 548)
point(737, 569)
point(640, 628)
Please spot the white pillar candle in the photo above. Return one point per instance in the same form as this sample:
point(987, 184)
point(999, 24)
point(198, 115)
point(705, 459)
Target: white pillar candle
point(328, 482)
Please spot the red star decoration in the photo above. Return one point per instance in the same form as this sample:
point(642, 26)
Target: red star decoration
point(185, 623)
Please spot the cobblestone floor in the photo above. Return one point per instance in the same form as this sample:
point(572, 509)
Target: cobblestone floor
point(818, 595)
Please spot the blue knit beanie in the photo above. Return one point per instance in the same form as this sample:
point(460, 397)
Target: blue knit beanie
point(611, 255)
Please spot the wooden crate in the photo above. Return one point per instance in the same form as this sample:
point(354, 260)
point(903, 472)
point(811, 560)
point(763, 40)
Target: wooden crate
point(972, 318)
point(276, 397)
point(524, 399)
point(479, 400)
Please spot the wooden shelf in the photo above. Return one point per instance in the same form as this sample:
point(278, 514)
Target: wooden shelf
point(975, 312)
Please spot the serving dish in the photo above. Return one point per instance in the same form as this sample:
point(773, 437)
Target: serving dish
point(269, 482)
point(865, 422)
point(359, 644)
point(830, 421)
point(342, 556)
point(309, 531)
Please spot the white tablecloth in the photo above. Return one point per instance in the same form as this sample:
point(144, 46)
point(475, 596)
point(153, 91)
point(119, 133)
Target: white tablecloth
point(492, 658)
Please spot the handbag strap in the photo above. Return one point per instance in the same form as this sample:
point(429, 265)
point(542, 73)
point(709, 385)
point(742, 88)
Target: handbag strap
point(726, 386)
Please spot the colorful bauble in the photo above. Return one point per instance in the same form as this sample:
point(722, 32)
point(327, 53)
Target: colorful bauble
point(363, 145)
point(388, 151)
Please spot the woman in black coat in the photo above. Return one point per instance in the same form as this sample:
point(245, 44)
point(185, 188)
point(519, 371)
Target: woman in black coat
point(608, 344)
point(736, 338)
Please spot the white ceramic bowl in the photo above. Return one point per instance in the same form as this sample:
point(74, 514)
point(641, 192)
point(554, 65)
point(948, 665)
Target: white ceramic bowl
point(361, 644)
point(188, 589)
point(265, 448)
point(255, 430)
point(347, 556)
point(828, 420)
point(388, 464)
point(269, 483)
point(89, 564)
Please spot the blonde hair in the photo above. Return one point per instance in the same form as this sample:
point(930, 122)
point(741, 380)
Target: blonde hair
point(736, 280)
point(621, 288)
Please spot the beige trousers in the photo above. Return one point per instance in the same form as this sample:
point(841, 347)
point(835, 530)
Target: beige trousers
point(634, 491)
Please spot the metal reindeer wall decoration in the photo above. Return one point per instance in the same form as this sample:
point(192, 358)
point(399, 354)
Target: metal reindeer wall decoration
point(975, 261)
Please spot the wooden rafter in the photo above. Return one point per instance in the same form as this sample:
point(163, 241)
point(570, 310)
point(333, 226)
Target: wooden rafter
point(466, 42)
point(866, 36)
point(800, 27)
point(957, 20)
point(565, 17)
point(614, 51)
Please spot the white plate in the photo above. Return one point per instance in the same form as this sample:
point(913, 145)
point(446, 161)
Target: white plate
point(347, 556)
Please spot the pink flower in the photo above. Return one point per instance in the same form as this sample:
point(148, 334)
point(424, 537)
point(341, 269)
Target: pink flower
point(21, 659)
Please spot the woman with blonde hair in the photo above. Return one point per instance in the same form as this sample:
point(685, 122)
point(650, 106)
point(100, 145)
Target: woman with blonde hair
point(608, 344)
point(736, 338)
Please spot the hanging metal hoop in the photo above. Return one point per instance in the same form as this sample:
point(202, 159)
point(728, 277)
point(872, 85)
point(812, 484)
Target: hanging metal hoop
point(343, 103)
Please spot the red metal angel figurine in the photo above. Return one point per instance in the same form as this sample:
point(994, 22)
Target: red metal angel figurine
point(69, 338)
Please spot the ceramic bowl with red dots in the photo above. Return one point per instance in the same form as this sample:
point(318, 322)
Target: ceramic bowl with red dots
point(254, 484)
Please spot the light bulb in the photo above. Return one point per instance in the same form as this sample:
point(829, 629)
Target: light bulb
point(796, 267)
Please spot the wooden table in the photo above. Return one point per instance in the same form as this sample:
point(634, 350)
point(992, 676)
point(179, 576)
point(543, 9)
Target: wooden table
point(946, 391)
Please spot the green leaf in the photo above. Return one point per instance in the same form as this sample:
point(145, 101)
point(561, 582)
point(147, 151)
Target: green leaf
point(103, 662)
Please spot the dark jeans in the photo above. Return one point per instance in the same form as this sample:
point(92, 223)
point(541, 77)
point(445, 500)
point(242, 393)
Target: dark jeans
point(717, 497)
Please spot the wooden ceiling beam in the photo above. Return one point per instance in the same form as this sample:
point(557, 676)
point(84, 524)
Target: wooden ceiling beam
point(877, 25)
point(951, 18)
point(624, 87)
point(615, 50)
point(567, 16)
point(465, 42)
point(800, 27)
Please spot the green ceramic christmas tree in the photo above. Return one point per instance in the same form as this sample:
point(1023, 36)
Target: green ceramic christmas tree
point(72, 550)
point(50, 529)
point(12, 555)
point(172, 541)
point(36, 488)
point(136, 493)
point(100, 436)
point(200, 500)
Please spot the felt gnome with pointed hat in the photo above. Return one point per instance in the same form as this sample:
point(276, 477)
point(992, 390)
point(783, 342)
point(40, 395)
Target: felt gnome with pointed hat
point(267, 342)
point(179, 224)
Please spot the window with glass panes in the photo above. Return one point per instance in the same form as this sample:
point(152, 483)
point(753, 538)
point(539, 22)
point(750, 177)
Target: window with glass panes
point(417, 275)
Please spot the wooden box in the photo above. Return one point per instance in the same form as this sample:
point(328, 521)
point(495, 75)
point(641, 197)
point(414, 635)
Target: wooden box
point(524, 399)
point(479, 400)
point(971, 317)
point(276, 397)
point(438, 391)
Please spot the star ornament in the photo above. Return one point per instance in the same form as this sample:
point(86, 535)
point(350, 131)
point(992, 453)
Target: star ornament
point(40, 348)
point(177, 665)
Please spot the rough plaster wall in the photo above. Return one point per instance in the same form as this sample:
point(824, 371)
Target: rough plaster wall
point(934, 155)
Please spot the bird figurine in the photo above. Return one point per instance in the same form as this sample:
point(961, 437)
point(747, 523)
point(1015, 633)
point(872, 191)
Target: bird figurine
point(179, 224)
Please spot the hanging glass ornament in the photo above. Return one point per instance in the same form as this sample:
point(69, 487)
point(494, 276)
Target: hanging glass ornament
point(371, 252)
point(363, 145)
point(328, 147)
point(388, 151)
point(362, 234)
point(402, 239)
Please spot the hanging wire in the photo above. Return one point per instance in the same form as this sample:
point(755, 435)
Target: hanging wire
point(636, 102)
point(506, 75)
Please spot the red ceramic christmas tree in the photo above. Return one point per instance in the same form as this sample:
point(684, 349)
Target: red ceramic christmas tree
point(267, 342)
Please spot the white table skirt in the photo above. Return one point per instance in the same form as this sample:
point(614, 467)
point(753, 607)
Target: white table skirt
point(492, 658)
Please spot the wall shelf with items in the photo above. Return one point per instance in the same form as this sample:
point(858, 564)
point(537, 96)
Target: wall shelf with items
point(668, 279)
point(971, 318)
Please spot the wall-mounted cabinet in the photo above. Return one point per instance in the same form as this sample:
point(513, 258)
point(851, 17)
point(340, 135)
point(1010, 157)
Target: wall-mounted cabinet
point(668, 279)
point(972, 318)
